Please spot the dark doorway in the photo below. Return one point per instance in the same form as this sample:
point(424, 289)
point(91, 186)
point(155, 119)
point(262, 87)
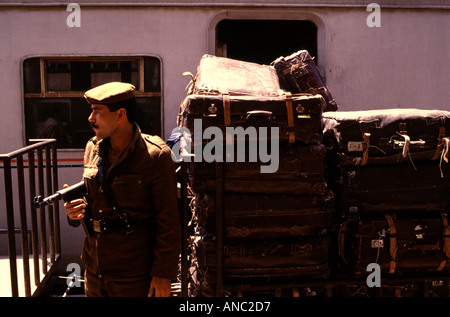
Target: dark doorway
point(262, 41)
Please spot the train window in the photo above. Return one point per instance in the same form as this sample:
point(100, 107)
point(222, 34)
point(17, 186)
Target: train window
point(54, 88)
point(262, 41)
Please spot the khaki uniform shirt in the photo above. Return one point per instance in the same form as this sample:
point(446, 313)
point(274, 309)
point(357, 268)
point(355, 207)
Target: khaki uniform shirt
point(143, 182)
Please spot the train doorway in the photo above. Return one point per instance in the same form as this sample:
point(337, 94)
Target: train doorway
point(262, 41)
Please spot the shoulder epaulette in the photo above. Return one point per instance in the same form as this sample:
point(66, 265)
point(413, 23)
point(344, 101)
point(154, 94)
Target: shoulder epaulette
point(155, 140)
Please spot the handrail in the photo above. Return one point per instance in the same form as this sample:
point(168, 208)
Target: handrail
point(40, 143)
point(48, 227)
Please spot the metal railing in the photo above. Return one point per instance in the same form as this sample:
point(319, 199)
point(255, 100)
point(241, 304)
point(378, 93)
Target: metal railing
point(41, 159)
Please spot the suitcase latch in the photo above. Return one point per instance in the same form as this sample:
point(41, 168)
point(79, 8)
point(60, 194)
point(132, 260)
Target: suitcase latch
point(377, 243)
point(403, 128)
point(354, 146)
point(419, 232)
point(212, 109)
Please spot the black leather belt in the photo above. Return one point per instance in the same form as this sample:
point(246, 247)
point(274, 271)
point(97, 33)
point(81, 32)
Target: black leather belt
point(115, 225)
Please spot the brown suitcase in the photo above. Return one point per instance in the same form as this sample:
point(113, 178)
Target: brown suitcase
point(401, 187)
point(265, 216)
point(298, 73)
point(300, 171)
point(241, 256)
point(232, 93)
point(387, 136)
point(259, 261)
point(298, 118)
point(399, 243)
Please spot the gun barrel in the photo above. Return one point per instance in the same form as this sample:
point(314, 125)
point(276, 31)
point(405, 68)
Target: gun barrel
point(64, 193)
point(40, 202)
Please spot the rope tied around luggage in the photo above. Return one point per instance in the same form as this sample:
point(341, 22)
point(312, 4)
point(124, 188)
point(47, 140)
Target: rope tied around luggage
point(405, 146)
point(444, 153)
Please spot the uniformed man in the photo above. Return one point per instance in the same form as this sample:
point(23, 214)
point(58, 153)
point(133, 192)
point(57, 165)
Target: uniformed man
point(134, 231)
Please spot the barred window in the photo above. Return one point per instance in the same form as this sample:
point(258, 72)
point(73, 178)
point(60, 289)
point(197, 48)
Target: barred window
point(54, 89)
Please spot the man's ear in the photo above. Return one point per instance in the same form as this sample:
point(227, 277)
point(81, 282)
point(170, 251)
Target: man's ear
point(122, 113)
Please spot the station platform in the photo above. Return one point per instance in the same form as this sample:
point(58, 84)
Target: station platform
point(5, 275)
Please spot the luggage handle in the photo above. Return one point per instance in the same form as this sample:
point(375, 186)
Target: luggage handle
point(400, 144)
point(252, 114)
point(191, 84)
point(258, 113)
point(405, 145)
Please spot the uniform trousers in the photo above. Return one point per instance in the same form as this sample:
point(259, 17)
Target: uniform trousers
point(136, 285)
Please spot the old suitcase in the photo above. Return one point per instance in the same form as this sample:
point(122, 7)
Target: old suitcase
point(298, 170)
point(221, 75)
point(296, 118)
point(396, 187)
point(258, 258)
point(267, 238)
point(387, 135)
point(229, 93)
point(399, 243)
point(248, 269)
point(259, 261)
point(265, 216)
point(298, 73)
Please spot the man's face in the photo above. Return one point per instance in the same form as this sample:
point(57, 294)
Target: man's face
point(103, 121)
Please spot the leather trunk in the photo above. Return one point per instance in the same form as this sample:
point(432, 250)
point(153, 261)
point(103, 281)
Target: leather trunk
point(230, 93)
point(298, 118)
point(387, 136)
point(300, 171)
point(401, 187)
point(299, 73)
point(265, 216)
point(399, 243)
point(259, 261)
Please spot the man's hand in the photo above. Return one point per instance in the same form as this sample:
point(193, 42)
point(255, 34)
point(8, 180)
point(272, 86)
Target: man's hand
point(159, 287)
point(75, 209)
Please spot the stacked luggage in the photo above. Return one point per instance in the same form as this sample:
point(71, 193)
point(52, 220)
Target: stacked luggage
point(254, 225)
point(274, 169)
point(389, 172)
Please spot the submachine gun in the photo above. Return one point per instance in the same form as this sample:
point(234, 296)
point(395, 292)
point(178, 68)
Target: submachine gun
point(75, 191)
